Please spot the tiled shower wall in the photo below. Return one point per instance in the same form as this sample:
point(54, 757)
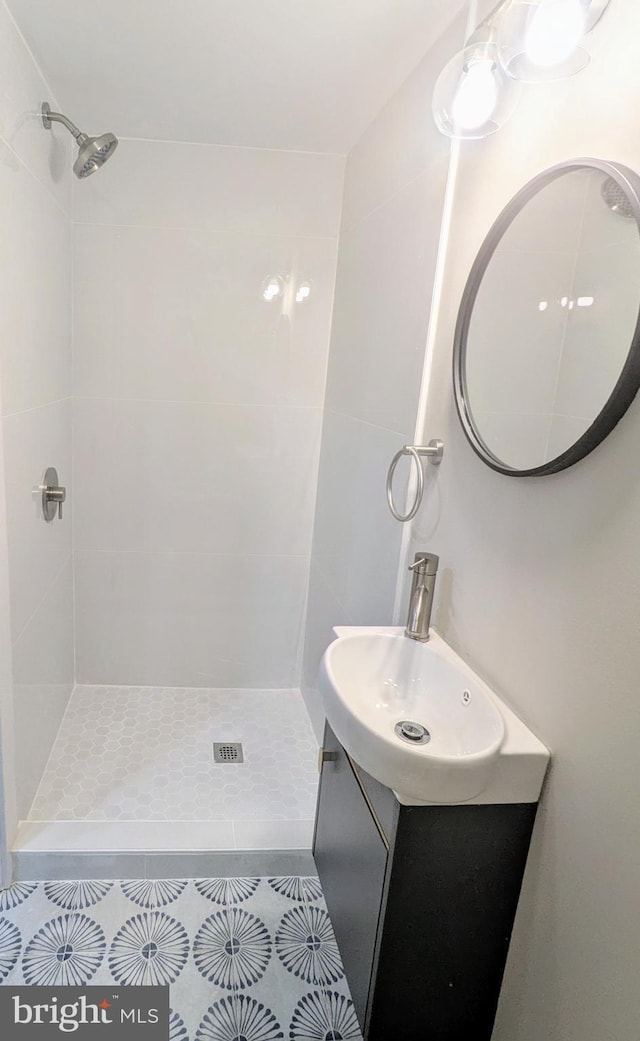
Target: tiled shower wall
point(197, 410)
point(393, 201)
point(35, 374)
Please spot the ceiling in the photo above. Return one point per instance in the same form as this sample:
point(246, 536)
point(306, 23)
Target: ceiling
point(262, 73)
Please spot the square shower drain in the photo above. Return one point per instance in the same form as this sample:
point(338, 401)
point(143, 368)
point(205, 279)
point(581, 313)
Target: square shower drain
point(227, 752)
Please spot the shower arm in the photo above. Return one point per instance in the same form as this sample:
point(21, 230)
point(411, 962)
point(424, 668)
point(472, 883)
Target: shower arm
point(49, 117)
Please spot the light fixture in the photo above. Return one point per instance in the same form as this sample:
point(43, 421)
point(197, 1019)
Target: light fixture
point(272, 288)
point(303, 292)
point(526, 40)
point(473, 97)
point(542, 39)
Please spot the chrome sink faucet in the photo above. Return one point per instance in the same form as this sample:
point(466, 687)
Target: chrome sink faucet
point(425, 568)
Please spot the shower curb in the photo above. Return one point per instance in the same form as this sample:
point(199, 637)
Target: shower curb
point(36, 867)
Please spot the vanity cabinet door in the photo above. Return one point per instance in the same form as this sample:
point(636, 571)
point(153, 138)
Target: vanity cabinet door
point(351, 857)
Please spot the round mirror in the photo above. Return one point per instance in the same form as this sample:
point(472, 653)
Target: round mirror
point(547, 344)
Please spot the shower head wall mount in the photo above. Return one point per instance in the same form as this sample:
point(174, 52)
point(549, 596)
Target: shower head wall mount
point(94, 151)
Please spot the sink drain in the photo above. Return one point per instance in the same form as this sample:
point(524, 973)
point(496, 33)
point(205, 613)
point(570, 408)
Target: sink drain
point(412, 732)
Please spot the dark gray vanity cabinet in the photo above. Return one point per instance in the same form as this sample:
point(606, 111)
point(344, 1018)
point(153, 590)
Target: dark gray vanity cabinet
point(422, 900)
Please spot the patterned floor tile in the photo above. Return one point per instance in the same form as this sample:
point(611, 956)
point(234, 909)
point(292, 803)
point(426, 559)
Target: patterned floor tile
point(240, 1016)
point(304, 980)
point(324, 1014)
point(250, 958)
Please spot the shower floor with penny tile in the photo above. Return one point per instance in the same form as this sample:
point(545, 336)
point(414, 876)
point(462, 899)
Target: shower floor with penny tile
point(146, 754)
point(243, 957)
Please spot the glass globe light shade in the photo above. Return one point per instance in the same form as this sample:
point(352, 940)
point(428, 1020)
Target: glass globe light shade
point(542, 40)
point(473, 97)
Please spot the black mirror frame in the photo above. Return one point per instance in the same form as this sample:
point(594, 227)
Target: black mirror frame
point(628, 382)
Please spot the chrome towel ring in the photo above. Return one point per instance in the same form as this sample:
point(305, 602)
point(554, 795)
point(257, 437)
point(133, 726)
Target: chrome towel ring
point(434, 452)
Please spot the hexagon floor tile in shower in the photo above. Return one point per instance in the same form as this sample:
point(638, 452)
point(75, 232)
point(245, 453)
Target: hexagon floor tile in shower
point(146, 753)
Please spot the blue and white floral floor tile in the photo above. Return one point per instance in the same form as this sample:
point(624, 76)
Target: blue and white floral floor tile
point(250, 958)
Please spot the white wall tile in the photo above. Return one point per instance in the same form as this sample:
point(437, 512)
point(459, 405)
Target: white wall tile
point(518, 439)
point(96, 318)
point(35, 378)
point(598, 337)
point(394, 193)
point(403, 141)
point(383, 293)
point(178, 315)
point(33, 441)
point(356, 540)
point(273, 834)
point(323, 612)
point(197, 420)
point(189, 620)
point(124, 837)
point(8, 793)
point(509, 335)
point(38, 712)
point(43, 667)
point(551, 221)
point(564, 432)
point(47, 153)
point(43, 652)
point(174, 476)
point(35, 273)
point(175, 185)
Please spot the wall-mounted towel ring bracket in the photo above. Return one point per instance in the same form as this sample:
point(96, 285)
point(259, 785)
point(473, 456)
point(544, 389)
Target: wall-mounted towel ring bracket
point(433, 452)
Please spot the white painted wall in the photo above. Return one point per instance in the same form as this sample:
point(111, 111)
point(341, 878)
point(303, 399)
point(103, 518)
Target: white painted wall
point(35, 371)
point(394, 192)
point(539, 589)
point(197, 410)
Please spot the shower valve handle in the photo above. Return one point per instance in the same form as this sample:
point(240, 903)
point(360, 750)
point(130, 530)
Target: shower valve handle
point(53, 494)
point(57, 495)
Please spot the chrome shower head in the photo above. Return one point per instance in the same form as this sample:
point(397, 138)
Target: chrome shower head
point(94, 151)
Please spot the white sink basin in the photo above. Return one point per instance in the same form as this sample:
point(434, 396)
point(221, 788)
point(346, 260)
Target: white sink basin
point(374, 679)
